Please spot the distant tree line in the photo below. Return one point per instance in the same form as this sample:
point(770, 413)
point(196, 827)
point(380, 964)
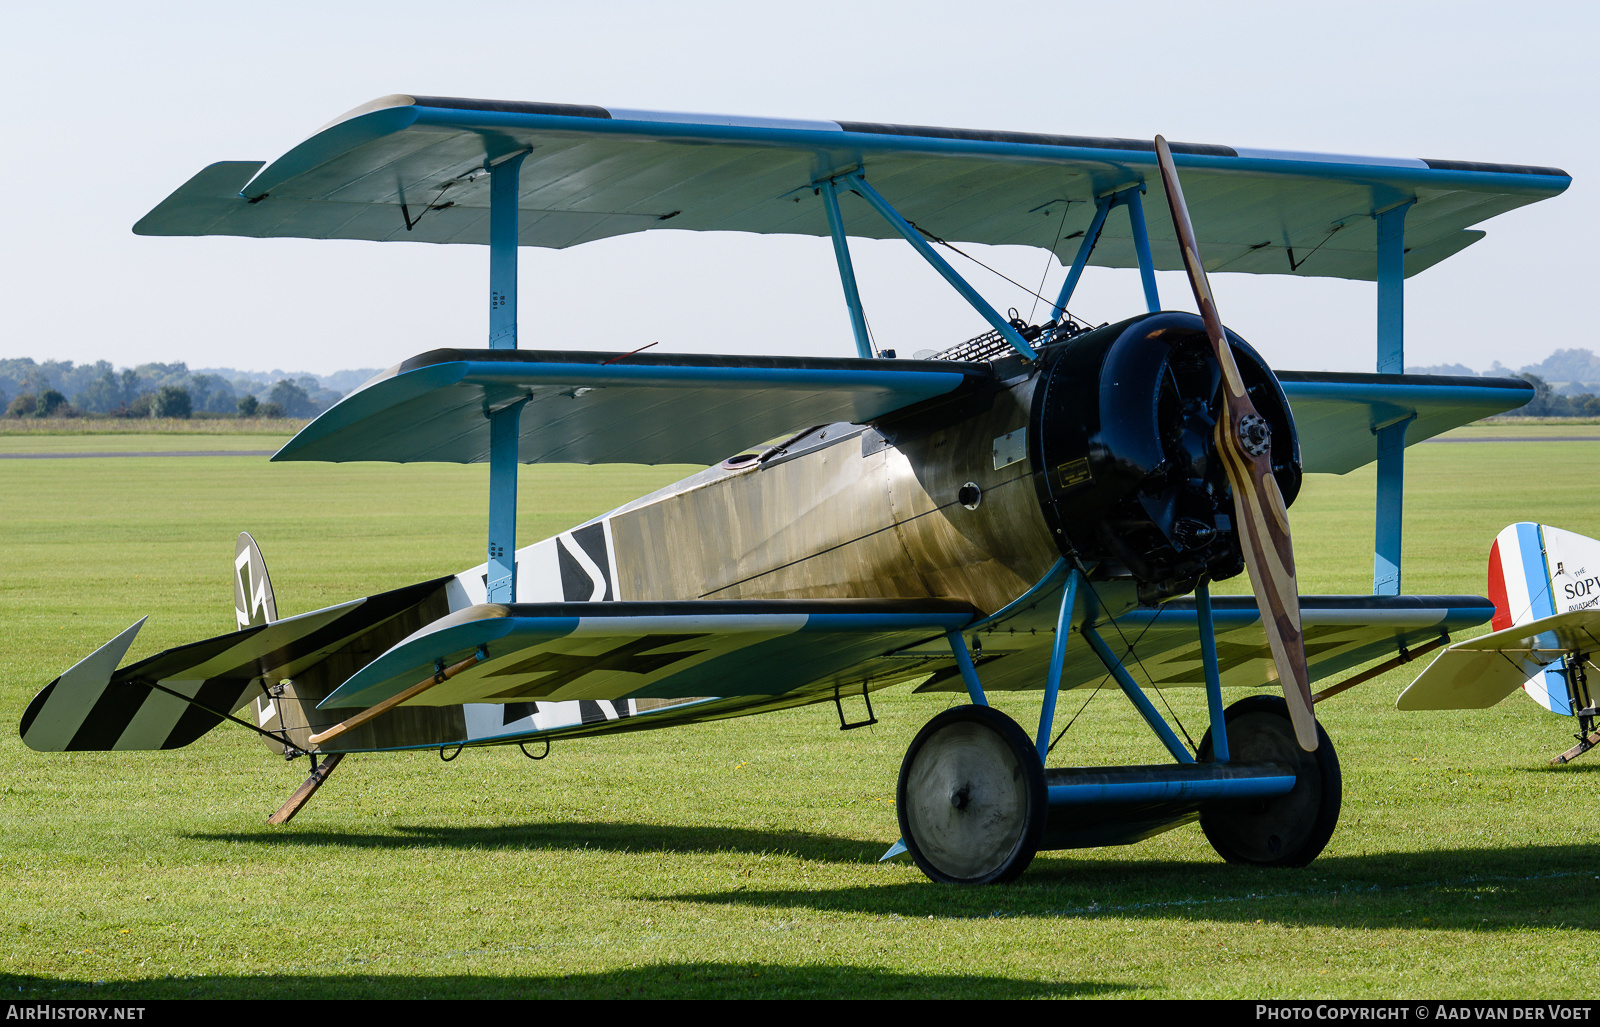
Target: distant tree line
point(1565, 384)
point(60, 389)
point(1547, 402)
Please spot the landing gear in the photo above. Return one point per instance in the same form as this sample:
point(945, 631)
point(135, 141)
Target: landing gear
point(1285, 830)
point(971, 798)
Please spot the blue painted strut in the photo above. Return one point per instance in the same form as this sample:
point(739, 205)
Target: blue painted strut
point(847, 271)
point(1136, 696)
point(1058, 656)
point(969, 673)
point(504, 192)
point(1389, 511)
point(1141, 245)
point(1102, 207)
point(1208, 658)
point(505, 422)
point(959, 284)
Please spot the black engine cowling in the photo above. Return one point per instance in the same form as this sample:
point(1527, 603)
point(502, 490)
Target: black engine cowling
point(1122, 431)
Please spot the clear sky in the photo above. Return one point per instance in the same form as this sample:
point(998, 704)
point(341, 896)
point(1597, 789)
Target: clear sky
point(112, 106)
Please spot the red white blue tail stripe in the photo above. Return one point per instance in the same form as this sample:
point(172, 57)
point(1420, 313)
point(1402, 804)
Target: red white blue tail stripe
point(1535, 572)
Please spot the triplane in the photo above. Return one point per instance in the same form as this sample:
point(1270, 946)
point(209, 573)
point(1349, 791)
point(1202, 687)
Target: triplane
point(1027, 510)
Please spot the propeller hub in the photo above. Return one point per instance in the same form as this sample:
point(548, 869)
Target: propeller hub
point(1255, 435)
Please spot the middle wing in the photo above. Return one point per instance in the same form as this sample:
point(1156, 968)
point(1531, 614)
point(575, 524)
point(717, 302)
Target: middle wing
point(1337, 415)
point(589, 408)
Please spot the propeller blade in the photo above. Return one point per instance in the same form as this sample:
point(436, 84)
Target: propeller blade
point(1244, 443)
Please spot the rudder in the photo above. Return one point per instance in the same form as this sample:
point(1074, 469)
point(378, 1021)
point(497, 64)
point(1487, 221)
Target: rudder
point(1537, 571)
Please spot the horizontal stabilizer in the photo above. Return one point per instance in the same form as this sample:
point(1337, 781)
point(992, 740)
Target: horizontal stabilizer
point(172, 698)
point(1479, 672)
point(590, 408)
point(49, 726)
point(1337, 416)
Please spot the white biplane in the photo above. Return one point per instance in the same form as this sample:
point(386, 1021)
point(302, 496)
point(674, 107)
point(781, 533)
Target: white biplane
point(984, 521)
point(1545, 633)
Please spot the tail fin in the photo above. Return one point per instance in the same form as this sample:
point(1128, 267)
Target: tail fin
point(254, 604)
point(1536, 571)
point(253, 601)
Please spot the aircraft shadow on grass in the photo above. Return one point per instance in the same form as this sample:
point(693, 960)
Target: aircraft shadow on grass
point(606, 836)
point(1460, 889)
point(661, 980)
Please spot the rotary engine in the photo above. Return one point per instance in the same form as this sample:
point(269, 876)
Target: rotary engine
point(1123, 436)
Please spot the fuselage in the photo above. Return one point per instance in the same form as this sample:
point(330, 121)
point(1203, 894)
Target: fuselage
point(914, 509)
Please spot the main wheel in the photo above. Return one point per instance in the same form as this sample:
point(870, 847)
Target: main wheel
point(1287, 830)
point(971, 797)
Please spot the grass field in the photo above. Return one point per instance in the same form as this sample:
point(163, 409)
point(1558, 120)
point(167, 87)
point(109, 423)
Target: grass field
point(729, 860)
point(45, 426)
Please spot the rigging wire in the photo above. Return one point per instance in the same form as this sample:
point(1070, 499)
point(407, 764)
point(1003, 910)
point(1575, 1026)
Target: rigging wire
point(1066, 205)
point(1052, 746)
point(954, 249)
point(1132, 651)
point(405, 211)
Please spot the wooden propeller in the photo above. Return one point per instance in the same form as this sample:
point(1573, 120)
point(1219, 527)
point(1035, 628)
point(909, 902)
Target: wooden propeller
point(1244, 441)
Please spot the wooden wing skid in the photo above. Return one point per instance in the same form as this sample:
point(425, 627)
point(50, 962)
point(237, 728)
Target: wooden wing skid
point(1479, 672)
point(592, 408)
point(409, 168)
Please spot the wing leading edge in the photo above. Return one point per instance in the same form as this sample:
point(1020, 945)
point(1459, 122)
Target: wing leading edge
point(1337, 416)
point(668, 652)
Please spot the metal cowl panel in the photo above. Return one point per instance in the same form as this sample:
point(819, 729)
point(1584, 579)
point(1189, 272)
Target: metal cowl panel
point(1122, 433)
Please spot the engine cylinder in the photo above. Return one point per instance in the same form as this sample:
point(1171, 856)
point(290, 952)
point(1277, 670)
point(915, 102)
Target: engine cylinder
point(1122, 432)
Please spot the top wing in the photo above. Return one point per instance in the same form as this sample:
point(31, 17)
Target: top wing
point(409, 168)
